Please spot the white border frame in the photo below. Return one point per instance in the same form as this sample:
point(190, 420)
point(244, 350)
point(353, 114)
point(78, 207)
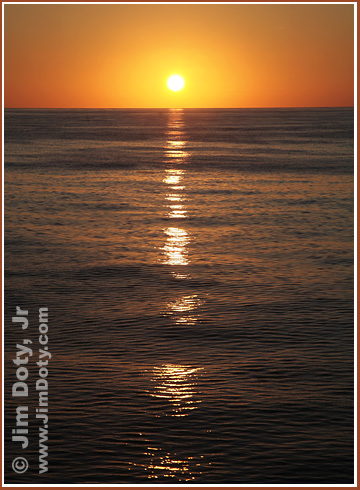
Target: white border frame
point(154, 485)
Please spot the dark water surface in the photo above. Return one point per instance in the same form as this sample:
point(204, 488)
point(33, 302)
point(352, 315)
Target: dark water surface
point(198, 270)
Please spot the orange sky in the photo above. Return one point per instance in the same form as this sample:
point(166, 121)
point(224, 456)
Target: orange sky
point(230, 55)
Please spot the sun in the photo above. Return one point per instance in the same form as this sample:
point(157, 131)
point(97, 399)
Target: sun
point(175, 82)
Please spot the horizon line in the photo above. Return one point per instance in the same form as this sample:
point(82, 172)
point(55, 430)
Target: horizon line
point(182, 108)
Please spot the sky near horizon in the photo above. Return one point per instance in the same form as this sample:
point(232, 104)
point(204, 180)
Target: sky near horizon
point(120, 56)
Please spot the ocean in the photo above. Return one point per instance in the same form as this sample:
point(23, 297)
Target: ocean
point(197, 268)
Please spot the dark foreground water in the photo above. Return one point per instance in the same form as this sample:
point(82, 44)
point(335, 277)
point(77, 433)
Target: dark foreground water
point(197, 267)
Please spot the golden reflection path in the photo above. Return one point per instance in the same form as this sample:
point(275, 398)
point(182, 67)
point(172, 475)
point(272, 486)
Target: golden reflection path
point(175, 246)
point(175, 386)
point(175, 250)
point(183, 309)
point(170, 464)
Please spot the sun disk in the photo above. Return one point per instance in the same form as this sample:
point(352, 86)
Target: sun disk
point(175, 82)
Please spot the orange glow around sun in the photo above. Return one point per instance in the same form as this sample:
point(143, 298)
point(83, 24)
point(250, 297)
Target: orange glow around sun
point(229, 55)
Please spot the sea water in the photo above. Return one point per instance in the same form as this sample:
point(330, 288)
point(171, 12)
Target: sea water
point(197, 267)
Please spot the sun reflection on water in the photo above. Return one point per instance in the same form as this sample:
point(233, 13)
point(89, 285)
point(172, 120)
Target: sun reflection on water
point(163, 462)
point(174, 387)
point(175, 391)
point(173, 176)
point(175, 247)
point(177, 385)
point(183, 309)
point(174, 150)
point(176, 206)
point(175, 145)
point(174, 197)
point(171, 466)
point(175, 250)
